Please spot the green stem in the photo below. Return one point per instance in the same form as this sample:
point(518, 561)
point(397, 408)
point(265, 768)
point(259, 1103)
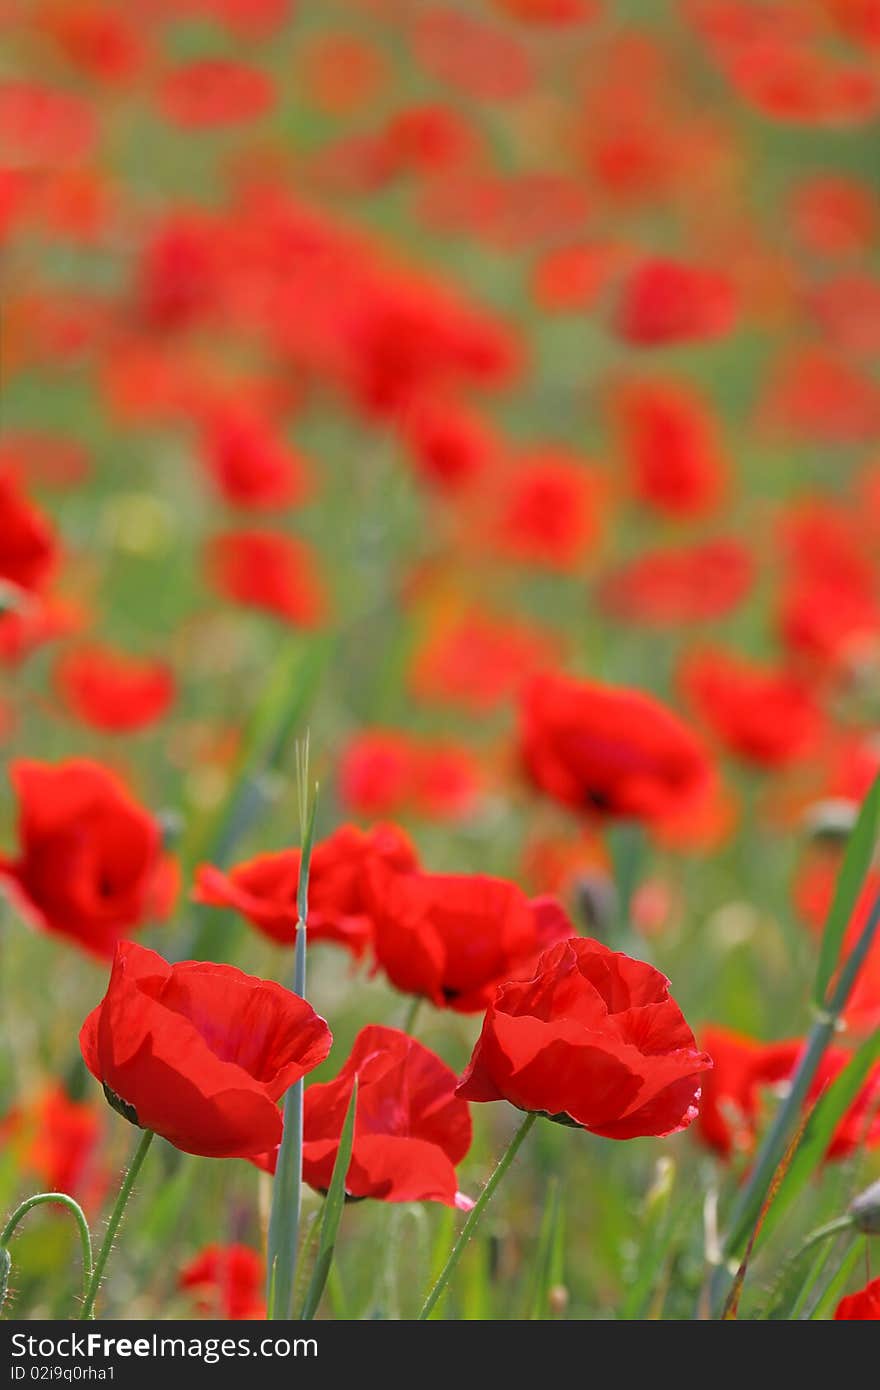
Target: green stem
point(116, 1215)
point(473, 1220)
point(38, 1200)
point(412, 1014)
point(284, 1218)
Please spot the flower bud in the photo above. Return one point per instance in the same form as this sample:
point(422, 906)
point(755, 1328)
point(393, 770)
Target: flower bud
point(865, 1210)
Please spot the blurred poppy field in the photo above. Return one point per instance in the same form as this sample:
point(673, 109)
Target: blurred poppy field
point(440, 503)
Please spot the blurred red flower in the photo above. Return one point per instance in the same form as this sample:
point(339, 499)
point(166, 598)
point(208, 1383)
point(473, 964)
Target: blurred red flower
point(200, 1053)
point(28, 547)
point(453, 937)
point(614, 752)
point(113, 691)
point(477, 661)
point(385, 772)
point(264, 889)
point(688, 584)
point(226, 1282)
point(212, 92)
point(90, 864)
point(248, 460)
point(670, 444)
point(269, 571)
point(665, 301)
point(59, 1141)
point(547, 510)
point(746, 1070)
point(766, 717)
point(593, 1040)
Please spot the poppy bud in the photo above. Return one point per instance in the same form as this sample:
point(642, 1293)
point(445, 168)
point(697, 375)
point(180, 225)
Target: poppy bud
point(865, 1210)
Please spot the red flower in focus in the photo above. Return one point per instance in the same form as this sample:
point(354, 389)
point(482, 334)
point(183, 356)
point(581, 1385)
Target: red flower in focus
point(547, 511)
point(669, 302)
point(477, 661)
point(863, 1306)
point(689, 584)
point(227, 1282)
point(766, 717)
point(113, 691)
point(670, 445)
point(28, 548)
point(453, 937)
point(593, 1040)
point(59, 1141)
point(90, 864)
point(214, 92)
point(199, 1052)
point(272, 572)
point(264, 889)
point(248, 462)
point(410, 1127)
point(745, 1070)
point(613, 751)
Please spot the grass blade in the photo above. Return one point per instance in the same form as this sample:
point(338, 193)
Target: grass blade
point(333, 1207)
point(856, 863)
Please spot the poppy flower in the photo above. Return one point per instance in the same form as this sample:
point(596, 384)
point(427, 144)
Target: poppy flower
point(670, 445)
point(477, 661)
point(572, 278)
point(452, 938)
point(59, 1141)
point(90, 864)
point(271, 572)
point(177, 276)
point(834, 216)
point(410, 1128)
point(664, 301)
point(50, 460)
point(688, 584)
point(43, 127)
point(249, 464)
point(547, 511)
point(745, 1073)
point(863, 1306)
point(766, 717)
point(226, 1281)
point(264, 889)
point(200, 1053)
point(28, 547)
point(819, 396)
point(471, 56)
point(384, 773)
point(814, 893)
point(615, 752)
point(593, 1040)
point(112, 691)
point(451, 447)
point(213, 92)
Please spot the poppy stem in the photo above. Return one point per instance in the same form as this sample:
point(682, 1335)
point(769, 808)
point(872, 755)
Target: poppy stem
point(116, 1215)
point(473, 1220)
point(38, 1200)
point(412, 1014)
point(284, 1218)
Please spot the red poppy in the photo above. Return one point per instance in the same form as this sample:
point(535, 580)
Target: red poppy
point(550, 12)
point(477, 58)
point(103, 44)
point(863, 1306)
point(764, 716)
point(834, 215)
point(90, 864)
point(226, 1281)
point(113, 691)
point(60, 1142)
point(264, 889)
point(819, 396)
point(248, 461)
point(50, 460)
point(451, 446)
point(410, 1127)
point(814, 893)
point(746, 1070)
point(477, 661)
point(42, 126)
point(199, 1052)
point(594, 1040)
point(269, 571)
point(666, 301)
point(214, 92)
point(177, 278)
point(615, 752)
point(547, 510)
point(28, 548)
point(384, 773)
point(671, 447)
point(572, 278)
point(686, 585)
point(453, 937)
